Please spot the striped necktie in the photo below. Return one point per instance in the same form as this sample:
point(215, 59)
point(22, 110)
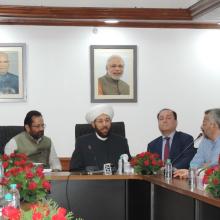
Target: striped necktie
point(166, 148)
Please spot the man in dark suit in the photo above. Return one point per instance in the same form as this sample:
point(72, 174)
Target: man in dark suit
point(93, 150)
point(172, 143)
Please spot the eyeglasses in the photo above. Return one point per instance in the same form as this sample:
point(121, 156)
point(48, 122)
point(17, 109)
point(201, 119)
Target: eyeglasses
point(39, 126)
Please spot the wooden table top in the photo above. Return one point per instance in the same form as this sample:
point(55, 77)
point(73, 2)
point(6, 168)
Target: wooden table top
point(177, 185)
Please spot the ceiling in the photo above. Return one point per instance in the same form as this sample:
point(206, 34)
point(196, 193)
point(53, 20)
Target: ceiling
point(129, 13)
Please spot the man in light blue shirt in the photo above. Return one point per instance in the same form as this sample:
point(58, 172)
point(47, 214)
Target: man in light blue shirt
point(207, 153)
point(209, 148)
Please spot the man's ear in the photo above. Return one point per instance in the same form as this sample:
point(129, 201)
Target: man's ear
point(27, 128)
point(93, 124)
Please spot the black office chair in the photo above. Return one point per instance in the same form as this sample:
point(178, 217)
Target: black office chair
point(6, 133)
point(82, 129)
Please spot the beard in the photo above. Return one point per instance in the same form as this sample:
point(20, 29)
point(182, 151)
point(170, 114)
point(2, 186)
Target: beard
point(103, 132)
point(37, 135)
point(115, 77)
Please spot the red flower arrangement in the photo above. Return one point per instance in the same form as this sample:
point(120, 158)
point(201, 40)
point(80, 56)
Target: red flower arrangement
point(47, 210)
point(11, 213)
point(212, 179)
point(146, 163)
point(31, 182)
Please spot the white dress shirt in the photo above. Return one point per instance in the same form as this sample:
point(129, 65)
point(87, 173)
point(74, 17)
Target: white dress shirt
point(54, 161)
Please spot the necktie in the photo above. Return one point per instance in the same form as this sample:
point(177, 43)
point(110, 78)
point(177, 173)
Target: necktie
point(166, 148)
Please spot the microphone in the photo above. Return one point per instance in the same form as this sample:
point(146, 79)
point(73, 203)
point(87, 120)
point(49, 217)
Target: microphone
point(179, 155)
point(92, 168)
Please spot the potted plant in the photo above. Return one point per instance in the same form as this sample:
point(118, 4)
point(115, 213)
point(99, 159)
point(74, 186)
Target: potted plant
point(31, 182)
point(212, 179)
point(146, 163)
point(47, 210)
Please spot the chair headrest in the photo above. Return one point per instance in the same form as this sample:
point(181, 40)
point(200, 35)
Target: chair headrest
point(116, 128)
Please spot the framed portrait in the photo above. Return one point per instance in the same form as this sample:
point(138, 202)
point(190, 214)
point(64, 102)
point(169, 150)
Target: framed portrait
point(12, 72)
point(113, 73)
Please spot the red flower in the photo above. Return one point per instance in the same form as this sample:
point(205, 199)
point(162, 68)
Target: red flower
point(209, 171)
point(29, 175)
point(17, 163)
point(160, 163)
point(5, 157)
point(29, 165)
point(58, 217)
point(4, 181)
point(205, 179)
point(37, 216)
point(152, 157)
point(5, 164)
point(20, 169)
point(11, 213)
point(14, 171)
point(61, 211)
point(22, 162)
point(146, 163)
point(46, 185)
point(215, 181)
point(154, 163)
point(19, 186)
point(27, 169)
point(22, 156)
point(47, 212)
point(133, 161)
point(32, 185)
point(12, 155)
point(147, 153)
point(39, 172)
point(141, 155)
point(7, 174)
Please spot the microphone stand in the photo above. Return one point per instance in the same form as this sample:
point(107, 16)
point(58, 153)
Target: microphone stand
point(175, 159)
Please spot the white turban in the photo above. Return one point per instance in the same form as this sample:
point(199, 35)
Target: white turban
point(97, 111)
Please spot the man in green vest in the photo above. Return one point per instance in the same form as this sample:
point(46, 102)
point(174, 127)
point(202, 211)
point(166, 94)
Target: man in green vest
point(34, 143)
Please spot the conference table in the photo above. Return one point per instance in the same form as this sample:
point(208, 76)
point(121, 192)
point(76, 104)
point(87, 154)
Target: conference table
point(131, 197)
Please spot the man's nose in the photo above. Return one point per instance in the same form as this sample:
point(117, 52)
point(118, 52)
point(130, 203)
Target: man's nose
point(104, 123)
point(41, 128)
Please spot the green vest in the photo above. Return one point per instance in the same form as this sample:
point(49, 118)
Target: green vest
point(113, 87)
point(38, 152)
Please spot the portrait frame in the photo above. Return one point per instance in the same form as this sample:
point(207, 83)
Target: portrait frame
point(13, 75)
point(99, 57)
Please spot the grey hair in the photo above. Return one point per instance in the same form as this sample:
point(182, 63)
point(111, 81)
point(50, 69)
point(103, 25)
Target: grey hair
point(215, 115)
point(113, 57)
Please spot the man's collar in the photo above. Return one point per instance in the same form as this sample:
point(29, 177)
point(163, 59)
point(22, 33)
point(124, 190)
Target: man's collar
point(34, 140)
point(101, 138)
point(170, 135)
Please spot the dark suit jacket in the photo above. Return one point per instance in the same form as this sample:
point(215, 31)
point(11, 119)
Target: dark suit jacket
point(91, 151)
point(180, 142)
